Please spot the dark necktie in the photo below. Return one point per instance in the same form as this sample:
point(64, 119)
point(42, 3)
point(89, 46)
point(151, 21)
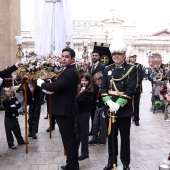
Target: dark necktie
point(92, 69)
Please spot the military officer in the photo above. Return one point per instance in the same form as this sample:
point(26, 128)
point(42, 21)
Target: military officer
point(132, 60)
point(118, 86)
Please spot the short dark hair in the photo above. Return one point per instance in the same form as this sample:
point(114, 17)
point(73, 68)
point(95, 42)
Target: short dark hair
point(72, 52)
point(95, 51)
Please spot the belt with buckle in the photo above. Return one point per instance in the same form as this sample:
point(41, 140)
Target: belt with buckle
point(115, 93)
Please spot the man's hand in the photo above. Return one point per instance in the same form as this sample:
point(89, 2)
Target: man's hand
point(113, 106)
point(16, 102)
point(39, 82)
point(1, 81)
point(19, 64)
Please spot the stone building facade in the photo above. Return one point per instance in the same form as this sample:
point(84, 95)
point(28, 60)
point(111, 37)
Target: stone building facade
point(151, 49)
point(10, 26)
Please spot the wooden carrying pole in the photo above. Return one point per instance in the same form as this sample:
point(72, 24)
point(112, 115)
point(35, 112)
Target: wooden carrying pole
point(25, 106)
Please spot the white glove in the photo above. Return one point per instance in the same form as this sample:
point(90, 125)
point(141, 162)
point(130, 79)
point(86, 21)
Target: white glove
point(13, 105)
point(16, 102)
point(39, 82)
point(1, 81)
point(113, 106)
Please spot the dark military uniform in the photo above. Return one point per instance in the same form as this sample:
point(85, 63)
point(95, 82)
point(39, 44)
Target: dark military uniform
point(118, 84)
point(138, 92)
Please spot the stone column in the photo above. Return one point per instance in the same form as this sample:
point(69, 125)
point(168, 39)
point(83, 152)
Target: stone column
point(10, 26)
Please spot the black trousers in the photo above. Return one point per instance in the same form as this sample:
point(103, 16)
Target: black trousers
point(82, 132)
point(136, 107)
point(123, 126)
point(93, 110)
point(67, 130)
point(99, 126)
point(34, 117)
point(12, 125)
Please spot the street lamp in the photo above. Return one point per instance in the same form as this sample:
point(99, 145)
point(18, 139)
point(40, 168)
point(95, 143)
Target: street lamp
point(85, 51)
point(149, 55)
point(68, 40)
point(106, 35)
point(19, 53)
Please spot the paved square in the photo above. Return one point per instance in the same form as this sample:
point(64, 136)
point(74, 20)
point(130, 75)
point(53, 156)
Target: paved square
point(150, 144)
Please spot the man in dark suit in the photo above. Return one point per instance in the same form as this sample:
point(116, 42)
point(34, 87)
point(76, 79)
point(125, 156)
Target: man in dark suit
point(64, 106)
point(4, 73)
point(118, 86)
point(93, 69)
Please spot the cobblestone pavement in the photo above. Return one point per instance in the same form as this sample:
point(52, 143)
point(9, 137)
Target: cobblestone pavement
point(149, 144)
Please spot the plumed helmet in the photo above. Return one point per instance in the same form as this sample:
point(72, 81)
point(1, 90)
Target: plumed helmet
point(130, 51)
point(118, 44)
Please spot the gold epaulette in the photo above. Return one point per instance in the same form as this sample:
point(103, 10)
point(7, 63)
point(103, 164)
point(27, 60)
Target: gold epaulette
point(109, 65)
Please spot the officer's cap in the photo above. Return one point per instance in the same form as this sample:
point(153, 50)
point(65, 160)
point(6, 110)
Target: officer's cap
point(130, 52)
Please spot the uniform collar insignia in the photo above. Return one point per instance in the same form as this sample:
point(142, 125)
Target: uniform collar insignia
point(119, 66)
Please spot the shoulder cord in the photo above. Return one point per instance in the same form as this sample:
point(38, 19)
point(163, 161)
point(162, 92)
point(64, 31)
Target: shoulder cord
point(114, 85)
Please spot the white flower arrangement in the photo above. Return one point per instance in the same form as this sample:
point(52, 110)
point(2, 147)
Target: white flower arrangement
point(44, 67)
point(50, 63)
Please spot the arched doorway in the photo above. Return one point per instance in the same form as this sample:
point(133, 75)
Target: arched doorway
point(155, 59)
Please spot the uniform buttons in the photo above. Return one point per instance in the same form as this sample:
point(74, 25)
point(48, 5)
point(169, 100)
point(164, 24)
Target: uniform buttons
point(122, 82)
point(124, 69)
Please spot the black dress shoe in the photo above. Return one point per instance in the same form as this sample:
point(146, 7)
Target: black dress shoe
point(108, 167)
point(22, 143)
point(62, 167)
point(126, 167)
point(73, 168)
point(90, 133)
point(46, 117)
point(34, 136)
point(29, 134)
point(51, 129)
point(137, 124)
point(82, 157)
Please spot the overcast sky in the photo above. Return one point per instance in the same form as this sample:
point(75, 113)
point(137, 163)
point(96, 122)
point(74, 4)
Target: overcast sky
point(149, 15)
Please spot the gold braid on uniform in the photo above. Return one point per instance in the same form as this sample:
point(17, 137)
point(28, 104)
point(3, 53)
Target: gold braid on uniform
point(112, 117)
point(137, 75)
point(113, 79)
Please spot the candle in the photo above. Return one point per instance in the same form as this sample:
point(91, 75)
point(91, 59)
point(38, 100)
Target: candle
point(68, 38)
point(18, 39)
point(85, 42)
